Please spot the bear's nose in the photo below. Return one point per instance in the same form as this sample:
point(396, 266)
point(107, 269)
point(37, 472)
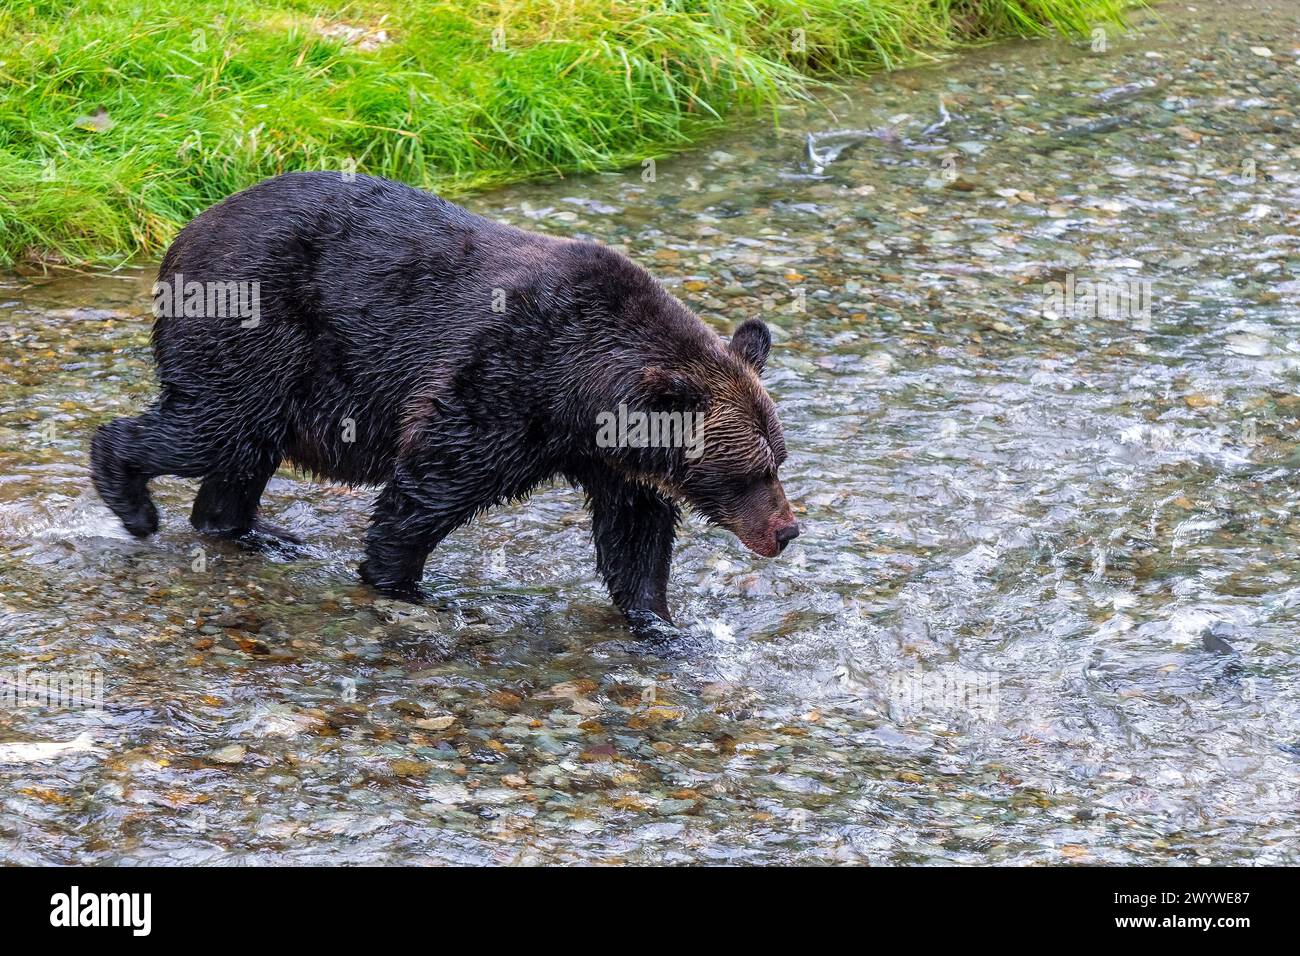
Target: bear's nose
point(787, 534)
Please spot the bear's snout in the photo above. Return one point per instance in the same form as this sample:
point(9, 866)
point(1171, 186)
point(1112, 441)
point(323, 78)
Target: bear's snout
point(773, 537)
point(771, 528)
point(785, 535)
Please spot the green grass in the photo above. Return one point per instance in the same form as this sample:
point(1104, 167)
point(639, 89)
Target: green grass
point(204, 97)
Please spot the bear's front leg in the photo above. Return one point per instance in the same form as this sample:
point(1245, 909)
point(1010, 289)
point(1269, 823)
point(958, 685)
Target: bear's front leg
point(404, 530)
point(434, 491)
point(633, 526)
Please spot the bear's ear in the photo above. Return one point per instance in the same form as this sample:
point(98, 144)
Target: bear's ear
point(751, 343)
point(662, 386)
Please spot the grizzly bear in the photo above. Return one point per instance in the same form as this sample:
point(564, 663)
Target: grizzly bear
point(374, 334)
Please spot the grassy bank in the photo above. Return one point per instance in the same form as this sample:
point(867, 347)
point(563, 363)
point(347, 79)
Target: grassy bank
point(120, 119)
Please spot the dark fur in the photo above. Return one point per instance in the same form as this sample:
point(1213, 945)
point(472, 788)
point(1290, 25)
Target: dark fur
point(376, 306)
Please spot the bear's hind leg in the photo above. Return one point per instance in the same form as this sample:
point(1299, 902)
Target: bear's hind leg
point(226, 505)
point(124, 455)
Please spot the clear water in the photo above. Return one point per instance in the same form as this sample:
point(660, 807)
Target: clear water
point(1045, 605)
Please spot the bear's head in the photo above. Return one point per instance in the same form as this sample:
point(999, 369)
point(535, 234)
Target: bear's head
point(726, 469)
